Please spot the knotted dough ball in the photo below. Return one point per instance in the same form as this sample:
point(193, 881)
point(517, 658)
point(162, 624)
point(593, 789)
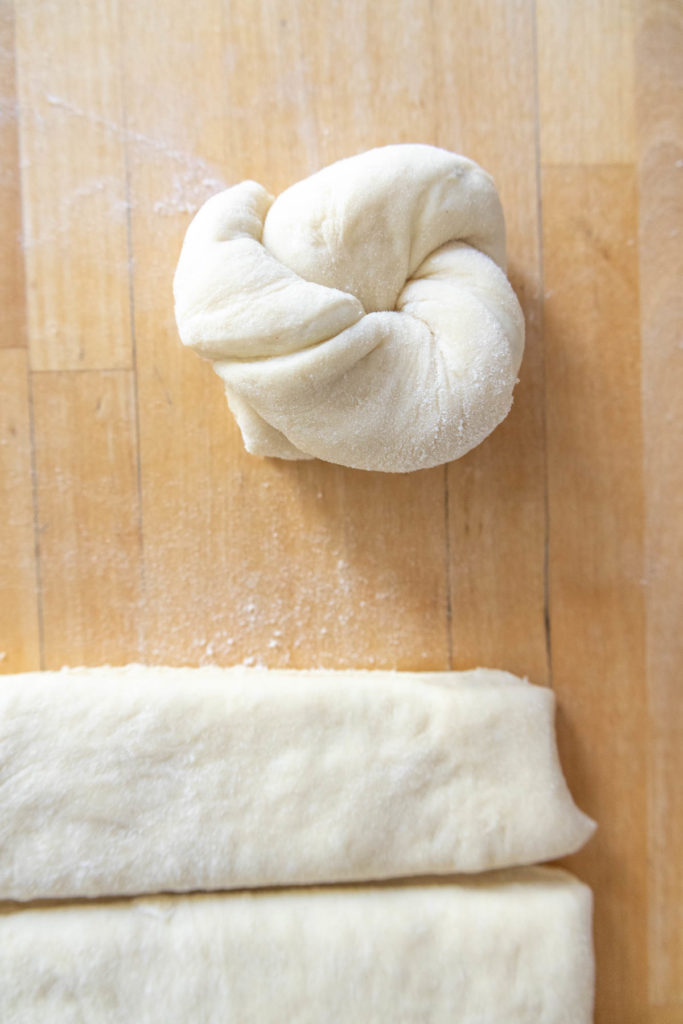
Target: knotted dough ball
point(363, 317)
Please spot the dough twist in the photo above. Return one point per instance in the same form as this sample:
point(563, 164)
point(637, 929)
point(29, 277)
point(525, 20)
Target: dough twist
point(363, 317)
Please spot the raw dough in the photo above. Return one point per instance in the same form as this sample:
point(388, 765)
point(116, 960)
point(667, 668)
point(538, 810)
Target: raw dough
point(126, 781)
point(362, 317)
point(513, 949)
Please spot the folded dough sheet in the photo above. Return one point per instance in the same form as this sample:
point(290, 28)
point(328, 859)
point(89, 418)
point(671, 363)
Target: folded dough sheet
point(511, 948)
point(124, 781)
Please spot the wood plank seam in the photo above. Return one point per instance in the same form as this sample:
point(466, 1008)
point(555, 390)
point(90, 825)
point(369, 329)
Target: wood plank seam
point(12, 272)
point(541, 328)
point(606, 165)
point(31, 414)
point(586, 67)
point(36, 524)
point(595, 426)
point(72, 197)
point(87, 514)
point(133, 333)
point(449, 581)
point(659, 134)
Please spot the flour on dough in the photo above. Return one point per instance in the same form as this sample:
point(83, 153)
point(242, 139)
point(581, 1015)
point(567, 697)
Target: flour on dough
point(133, 780)
point(363, 317)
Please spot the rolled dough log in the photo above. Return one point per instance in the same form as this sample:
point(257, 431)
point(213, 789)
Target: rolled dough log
point(508, 949)
point(121, 781)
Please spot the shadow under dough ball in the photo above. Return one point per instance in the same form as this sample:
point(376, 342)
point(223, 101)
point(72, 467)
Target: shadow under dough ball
point(363, 317)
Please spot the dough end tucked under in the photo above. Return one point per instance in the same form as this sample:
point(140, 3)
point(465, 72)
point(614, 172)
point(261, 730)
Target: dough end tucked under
point(362, 317)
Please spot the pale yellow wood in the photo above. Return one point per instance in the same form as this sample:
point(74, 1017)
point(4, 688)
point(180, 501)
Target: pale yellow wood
point(73, 185)
point(586, 87)
point(596, 601)
point(485, 107)
point(19, 629)
point(12, 305)
point(19, 612)
point(327, 77)
point(277, 563)
point(88, 516)
point(659, 70)
point(670, 1014)
point(301, 565)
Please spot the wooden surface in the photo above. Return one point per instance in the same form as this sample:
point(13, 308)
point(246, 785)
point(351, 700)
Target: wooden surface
point(135, 526)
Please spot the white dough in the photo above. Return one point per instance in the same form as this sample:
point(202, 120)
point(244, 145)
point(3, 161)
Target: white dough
point(508, 949)
point(363, 317)
point(134, 780)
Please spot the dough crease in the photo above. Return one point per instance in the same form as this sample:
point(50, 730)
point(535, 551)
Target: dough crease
point(363, 316)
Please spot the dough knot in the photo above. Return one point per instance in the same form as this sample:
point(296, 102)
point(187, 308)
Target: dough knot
point(363, 317)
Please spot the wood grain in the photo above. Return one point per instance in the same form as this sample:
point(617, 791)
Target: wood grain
point(281, 564)
point(553, 549)
point(88, 517)
point(586, 81)
point(73, 186)
point(659, 69)
point(328, 115)
point(595, 501)
point(12, 306)
point(19, 612)
point(496, 494)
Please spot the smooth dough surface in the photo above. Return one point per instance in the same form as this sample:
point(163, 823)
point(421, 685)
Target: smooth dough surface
point(363, 317)
point(508, 949)
point(136, 780)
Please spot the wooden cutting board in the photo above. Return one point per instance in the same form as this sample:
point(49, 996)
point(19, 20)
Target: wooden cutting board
point(134, 526)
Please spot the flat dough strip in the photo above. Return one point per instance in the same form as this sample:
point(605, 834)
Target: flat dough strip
point(513, 948)
point(122, 781)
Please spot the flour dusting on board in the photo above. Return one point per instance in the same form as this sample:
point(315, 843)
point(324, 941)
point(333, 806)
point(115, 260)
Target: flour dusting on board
point(297, 583)
point(192, 184)
point(218, 558)
point(188, 193)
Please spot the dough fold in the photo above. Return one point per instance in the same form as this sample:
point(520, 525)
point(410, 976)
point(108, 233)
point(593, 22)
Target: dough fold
point(513, 948)
point(363, 317)
point(133, 780)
